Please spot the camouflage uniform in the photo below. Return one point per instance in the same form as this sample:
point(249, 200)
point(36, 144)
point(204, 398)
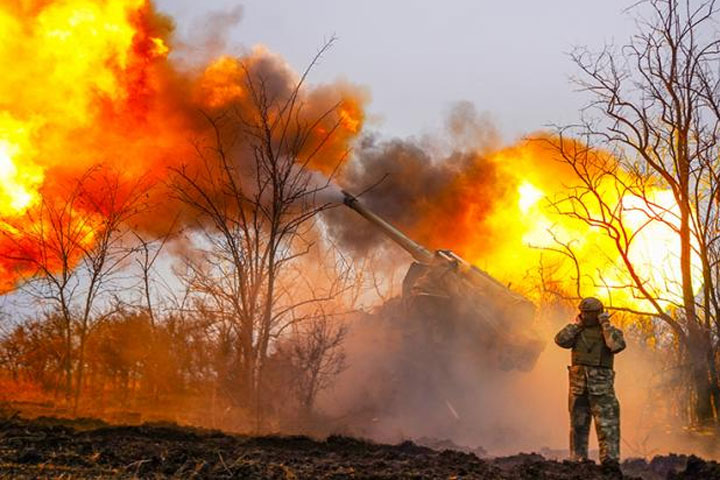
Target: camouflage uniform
point(591, 386)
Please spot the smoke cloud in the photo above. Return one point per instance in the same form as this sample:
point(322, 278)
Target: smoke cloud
point(417, 183)
point(398, 387)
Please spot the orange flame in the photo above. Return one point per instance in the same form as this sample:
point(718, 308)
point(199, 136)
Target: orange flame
point(90, 82)
point(498, 215)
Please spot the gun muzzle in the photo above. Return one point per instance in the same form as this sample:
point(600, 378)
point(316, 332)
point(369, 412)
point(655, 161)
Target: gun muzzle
point(348, 198)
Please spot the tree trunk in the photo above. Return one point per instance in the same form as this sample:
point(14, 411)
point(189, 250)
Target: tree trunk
point(80, 369)
point(700, 376)
point(714, 387)
point(699, 343)
point(67, 361)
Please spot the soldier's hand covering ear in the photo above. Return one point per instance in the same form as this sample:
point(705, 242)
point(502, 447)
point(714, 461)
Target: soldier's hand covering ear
point(604, 319)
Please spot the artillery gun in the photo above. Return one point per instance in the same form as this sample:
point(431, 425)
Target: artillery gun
point(459, 307)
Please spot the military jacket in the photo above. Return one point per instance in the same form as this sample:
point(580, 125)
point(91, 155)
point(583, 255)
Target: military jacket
point(593, 349)
point(612, 337)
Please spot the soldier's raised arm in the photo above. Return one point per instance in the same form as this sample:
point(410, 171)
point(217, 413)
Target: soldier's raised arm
point(614, 338)
point(566, 337)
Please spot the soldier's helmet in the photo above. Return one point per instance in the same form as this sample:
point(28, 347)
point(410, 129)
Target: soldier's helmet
point(590, 304)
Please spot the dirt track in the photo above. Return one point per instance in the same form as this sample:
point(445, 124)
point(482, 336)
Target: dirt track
point(49, 448)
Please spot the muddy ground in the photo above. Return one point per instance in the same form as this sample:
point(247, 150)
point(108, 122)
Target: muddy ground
point(52, 448)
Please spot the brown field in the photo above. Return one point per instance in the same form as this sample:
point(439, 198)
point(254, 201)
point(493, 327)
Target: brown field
point(53, 448)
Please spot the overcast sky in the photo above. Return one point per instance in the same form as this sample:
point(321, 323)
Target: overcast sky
point(418, 57)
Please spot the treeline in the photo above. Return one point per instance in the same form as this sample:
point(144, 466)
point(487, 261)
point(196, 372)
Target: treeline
point(182, 368)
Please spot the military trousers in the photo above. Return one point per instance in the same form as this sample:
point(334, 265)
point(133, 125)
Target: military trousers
point(592, 397)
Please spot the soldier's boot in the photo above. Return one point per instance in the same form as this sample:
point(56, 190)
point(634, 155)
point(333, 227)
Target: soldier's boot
point(611, 469)
point(606, 412)
point(579, 427)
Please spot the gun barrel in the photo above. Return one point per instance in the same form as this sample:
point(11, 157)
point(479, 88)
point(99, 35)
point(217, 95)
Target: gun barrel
point(419, 253)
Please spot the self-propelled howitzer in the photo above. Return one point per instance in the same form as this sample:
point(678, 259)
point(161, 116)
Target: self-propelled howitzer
point(465, 307)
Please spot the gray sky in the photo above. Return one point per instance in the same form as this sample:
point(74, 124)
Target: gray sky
point(418, 57)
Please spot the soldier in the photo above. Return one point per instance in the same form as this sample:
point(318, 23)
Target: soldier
point(594, 343)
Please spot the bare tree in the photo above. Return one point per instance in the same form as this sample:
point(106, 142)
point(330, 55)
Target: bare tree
point(655, 110)
point(256, 199)
point(71, 247)
point(317, 356)
point(148, 252)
